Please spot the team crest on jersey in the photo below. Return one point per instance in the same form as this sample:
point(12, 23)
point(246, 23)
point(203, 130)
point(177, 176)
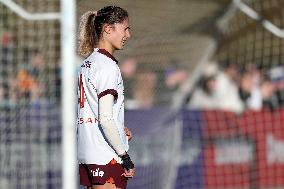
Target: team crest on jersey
point(87, 64)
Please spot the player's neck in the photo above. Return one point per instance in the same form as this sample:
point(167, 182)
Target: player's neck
point(108, 47)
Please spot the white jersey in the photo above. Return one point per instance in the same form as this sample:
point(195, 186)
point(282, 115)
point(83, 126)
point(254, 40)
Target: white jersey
point(99, 75)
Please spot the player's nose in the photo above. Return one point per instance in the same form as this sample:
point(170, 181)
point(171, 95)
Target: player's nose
point(128, 35)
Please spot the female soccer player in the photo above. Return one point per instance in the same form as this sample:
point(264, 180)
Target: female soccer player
point(102, 137)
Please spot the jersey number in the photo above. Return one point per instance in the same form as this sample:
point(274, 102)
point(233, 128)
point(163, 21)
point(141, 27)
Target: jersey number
point(82, 98)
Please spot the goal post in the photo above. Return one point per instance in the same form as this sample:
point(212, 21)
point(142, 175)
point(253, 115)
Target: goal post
point(68, 93)
point(34, 26)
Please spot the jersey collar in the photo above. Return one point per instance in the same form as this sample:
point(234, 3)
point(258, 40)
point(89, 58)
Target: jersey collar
point(106, 53)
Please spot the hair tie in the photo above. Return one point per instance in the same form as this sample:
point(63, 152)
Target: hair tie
point(94, 13)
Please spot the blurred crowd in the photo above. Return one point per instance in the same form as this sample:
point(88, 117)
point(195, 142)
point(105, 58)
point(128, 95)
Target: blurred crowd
point(148, 85)
point(223, 85)
point(23, 73)
point(231, 87)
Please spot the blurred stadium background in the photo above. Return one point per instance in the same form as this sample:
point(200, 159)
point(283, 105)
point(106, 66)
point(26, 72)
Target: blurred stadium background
point(204, 82)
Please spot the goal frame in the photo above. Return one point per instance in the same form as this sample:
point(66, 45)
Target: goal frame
point(67, 18)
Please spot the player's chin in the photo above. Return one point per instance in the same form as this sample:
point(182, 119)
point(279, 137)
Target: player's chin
point(120, 47)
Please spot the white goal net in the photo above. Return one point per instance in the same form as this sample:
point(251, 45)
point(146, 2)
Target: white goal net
point(30, 125)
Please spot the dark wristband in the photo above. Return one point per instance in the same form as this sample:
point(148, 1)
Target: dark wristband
point(126, 162)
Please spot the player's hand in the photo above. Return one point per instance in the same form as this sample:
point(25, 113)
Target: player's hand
point(128, 166)
point(129, 173)
point(128, 133)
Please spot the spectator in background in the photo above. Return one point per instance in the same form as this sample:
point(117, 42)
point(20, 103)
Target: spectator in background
point(231, 89)
point(204, 95)
point(249, 87)
point(26, 86)
point(227, 88)
point(128, 70)
point(269, 99)
point(277, 77)
point(28, 82)
point(255, 100)
point(176, 74)
point(171, 80)
point(36, 64)
point(144, 90)
point(128, 67)
point(36, 70)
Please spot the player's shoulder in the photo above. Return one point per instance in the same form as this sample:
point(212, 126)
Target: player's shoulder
point(105, 56)
point(100, 61)
point(105, 60)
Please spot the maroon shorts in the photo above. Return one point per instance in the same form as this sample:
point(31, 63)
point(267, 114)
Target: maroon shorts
point(92, 174)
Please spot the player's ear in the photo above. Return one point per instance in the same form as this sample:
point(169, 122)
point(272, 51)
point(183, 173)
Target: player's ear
point(108, 28)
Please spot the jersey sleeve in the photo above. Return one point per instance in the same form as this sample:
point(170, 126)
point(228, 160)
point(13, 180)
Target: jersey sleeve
point(107, 82)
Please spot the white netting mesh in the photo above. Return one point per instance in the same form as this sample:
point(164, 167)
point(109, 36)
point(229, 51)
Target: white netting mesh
point(155, 149)
point(30, 149)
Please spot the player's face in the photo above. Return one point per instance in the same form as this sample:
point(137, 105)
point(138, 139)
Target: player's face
point(120, 34)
